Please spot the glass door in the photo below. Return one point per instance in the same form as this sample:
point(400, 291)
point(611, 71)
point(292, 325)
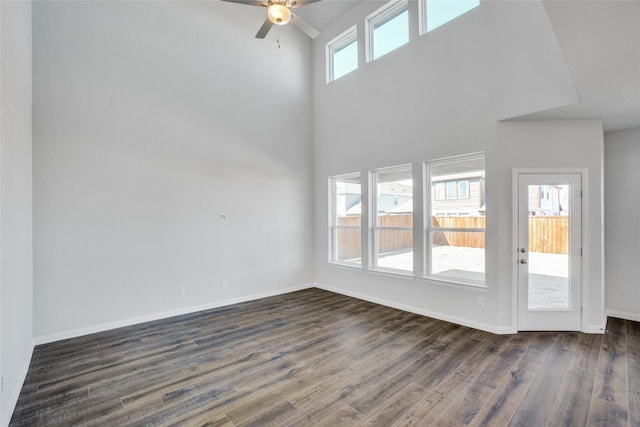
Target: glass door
point(549, 253)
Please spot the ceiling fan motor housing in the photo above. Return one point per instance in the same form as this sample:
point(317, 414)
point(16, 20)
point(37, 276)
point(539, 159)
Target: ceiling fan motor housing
point(278, 12)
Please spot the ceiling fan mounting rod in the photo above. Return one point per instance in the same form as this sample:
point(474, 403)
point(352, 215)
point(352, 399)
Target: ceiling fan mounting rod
point(284, 3)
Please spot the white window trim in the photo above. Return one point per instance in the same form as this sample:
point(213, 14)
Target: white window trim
point(373, 223)
point(335, 45)
point(422, 17)
point(333, 227)
point(386, 12)
point(427, 260)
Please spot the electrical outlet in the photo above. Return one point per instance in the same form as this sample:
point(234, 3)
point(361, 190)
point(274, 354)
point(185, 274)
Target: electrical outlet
point(224, 284)
point(222, 217)
point(480, 301)
point(182, 291)
point(202, 288)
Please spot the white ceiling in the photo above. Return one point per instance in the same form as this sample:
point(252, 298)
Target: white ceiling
point(600, 41)
point(322, 13)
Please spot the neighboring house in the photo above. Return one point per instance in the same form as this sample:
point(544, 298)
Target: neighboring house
point(461, 194)
point(455, 195)
point(548, 200)
point(404, 208)
point(392, 195)
point(394, 198)
point(347, 198)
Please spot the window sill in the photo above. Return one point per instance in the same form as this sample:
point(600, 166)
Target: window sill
point(344, 265)
point(458, 284)
point(399, 274)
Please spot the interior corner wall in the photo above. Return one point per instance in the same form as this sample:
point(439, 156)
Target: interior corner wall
point(442, 95)
point(16, 279)
point(151, 119)
point(622, 223)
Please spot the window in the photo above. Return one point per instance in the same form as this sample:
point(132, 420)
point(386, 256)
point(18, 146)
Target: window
point(387, 29)
point(435, 13)
point(451, 190)
point(392, 219)
point(342, 54)
point(345, 219)
point(455, 223)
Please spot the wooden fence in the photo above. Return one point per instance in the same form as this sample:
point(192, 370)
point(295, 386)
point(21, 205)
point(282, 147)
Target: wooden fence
point(550, 234)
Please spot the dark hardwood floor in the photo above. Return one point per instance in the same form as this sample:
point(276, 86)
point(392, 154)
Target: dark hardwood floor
point(317, 358)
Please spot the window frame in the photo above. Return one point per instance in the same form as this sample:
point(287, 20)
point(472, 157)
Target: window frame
point(334, 46)
point(373, 220)
point(429, 229)
point(382, 15)
point(334, 227)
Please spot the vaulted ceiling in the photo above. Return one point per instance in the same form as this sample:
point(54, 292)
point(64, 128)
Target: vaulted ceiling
point(600, 42)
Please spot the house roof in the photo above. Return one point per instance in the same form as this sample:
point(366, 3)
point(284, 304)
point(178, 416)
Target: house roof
point(396, 189)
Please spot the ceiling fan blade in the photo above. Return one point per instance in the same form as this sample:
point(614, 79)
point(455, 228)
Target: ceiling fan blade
point(248, 2)
point(298, 3)
point(262, 32)
point(304, 26)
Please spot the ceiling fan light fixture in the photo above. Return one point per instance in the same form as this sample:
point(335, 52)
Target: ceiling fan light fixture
point(279, 14)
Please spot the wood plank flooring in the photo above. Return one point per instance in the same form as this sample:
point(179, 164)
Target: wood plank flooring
point(321, 359)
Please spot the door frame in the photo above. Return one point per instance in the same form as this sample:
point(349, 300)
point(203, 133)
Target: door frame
point(584, 235)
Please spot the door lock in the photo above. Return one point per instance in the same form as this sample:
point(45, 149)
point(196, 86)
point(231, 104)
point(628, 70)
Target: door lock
point(523, 261)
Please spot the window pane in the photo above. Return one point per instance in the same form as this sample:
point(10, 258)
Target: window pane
point(395, 249)
point(458, 254)
point(463, 179)
point(463, 189)
point(453, 252)
point(390, 34)
point(549, 285)
point(394, 197)
point(451, 190)
point(348, 209)
point(346, 219)
point(393, 225)
point(342, 54)
point(345, 60)
point(439, 191)
point(442, 11)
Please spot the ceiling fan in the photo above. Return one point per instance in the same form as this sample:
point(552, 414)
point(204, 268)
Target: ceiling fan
point(279, 13)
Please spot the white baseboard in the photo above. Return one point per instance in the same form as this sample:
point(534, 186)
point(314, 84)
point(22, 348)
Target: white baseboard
point(501, 330)
point(634, 317)
point(595, 329)
point(58, 336)
point(14, 394)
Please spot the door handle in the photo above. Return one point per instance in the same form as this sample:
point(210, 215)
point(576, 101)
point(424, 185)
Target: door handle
point(523, 261)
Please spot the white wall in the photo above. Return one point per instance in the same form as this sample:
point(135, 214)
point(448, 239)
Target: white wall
point(150, 119)
point(622, 175)
point(16, 278)
point(439, 96)
point(555, 144)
